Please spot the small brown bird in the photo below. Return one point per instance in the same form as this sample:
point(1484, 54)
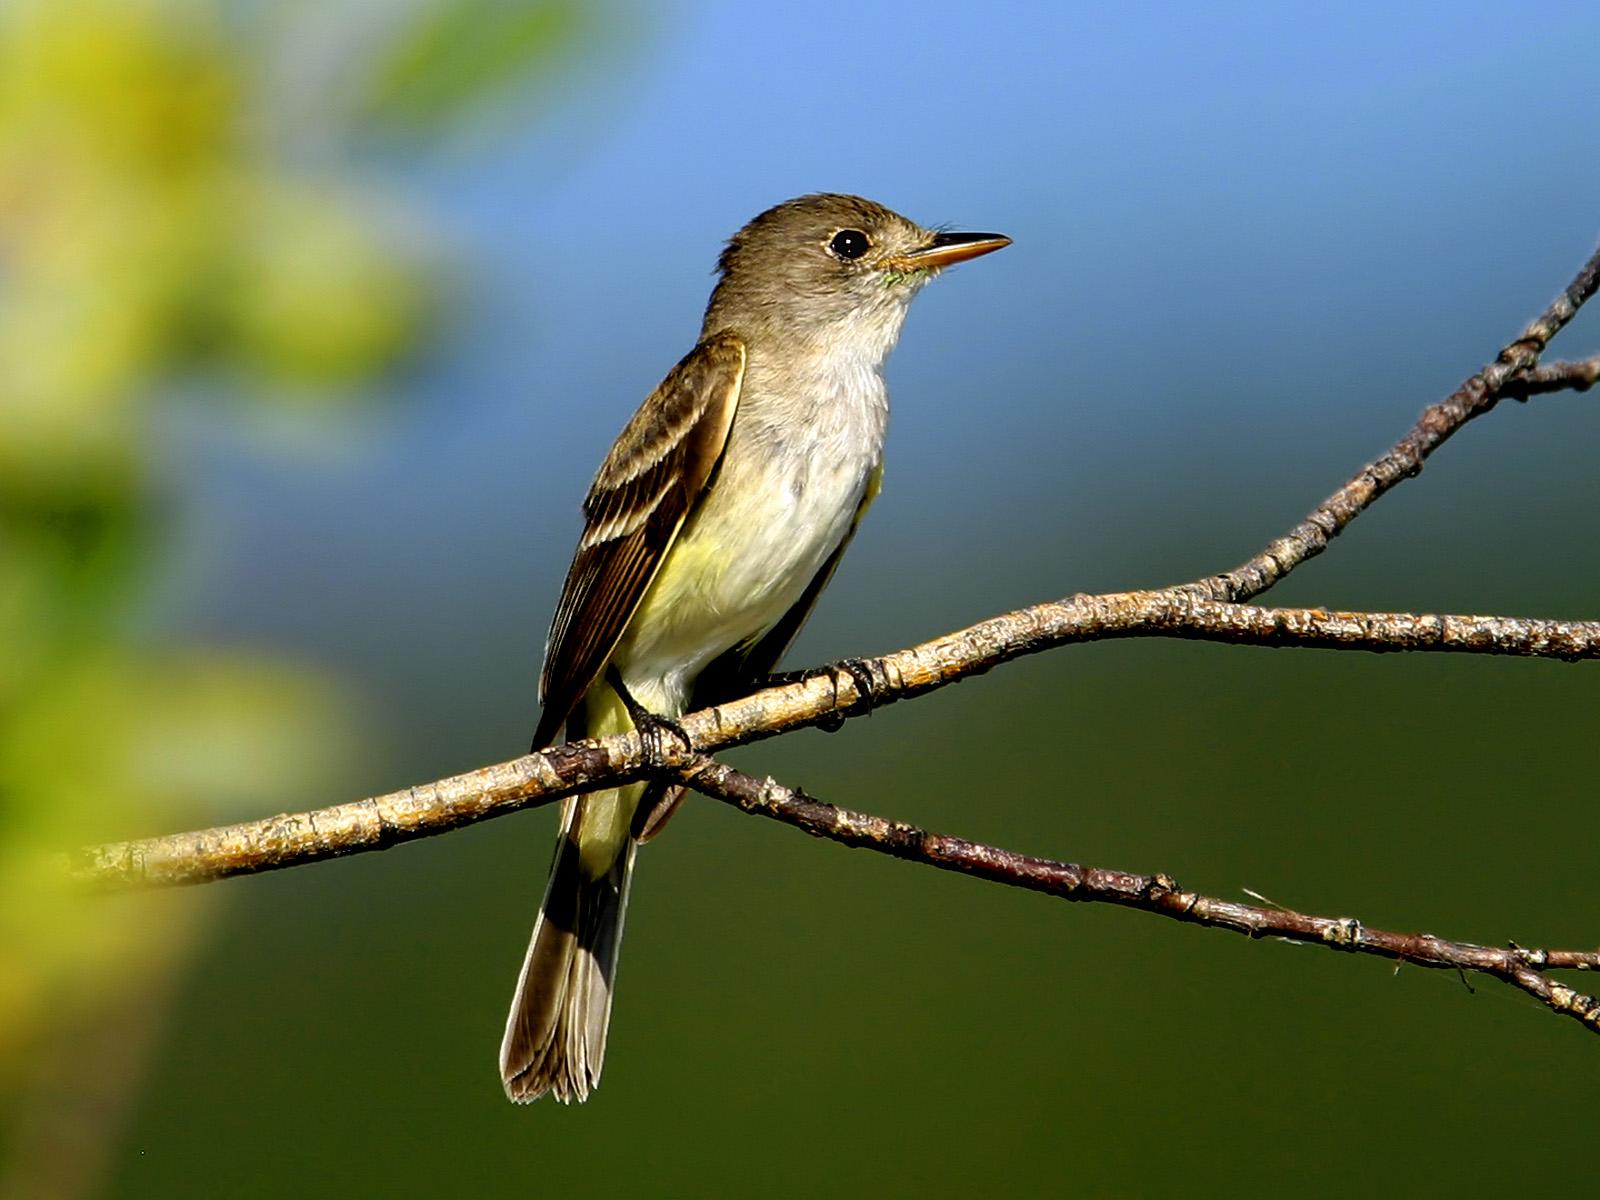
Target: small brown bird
point(710, 530)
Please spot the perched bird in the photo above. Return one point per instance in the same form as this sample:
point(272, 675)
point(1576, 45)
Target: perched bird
point(712, 526)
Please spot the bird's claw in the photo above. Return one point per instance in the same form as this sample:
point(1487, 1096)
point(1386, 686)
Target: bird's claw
point(860, 673)
point(651, 727)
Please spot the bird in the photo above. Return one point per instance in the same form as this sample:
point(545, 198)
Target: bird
point(711, 527)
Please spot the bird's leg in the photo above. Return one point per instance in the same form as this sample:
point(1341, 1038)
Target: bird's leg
point(860, 672)
point(651, 726)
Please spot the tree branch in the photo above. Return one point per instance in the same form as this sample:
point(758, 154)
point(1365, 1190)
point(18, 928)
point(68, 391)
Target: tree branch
point(1208, 609)
point(379, 822)
point(1160, 894)
point(1577, 376)
point(1404, 459)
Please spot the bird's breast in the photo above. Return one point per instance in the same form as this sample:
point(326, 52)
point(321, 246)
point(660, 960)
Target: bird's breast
point(784, 497)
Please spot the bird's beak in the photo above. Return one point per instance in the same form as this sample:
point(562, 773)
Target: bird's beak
point(948, 248)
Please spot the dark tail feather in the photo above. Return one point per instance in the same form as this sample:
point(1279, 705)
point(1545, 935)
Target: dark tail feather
point(555, 1037)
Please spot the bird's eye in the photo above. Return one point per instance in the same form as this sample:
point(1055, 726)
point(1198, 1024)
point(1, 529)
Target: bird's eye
point(849, 244)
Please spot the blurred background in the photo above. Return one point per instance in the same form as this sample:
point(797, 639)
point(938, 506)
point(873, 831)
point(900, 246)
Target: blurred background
point(314, 321)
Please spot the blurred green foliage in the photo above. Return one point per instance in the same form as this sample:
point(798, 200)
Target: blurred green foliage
point(158, 224)
point(456, 52)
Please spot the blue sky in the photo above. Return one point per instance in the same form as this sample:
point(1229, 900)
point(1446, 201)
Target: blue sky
point(1233, 225)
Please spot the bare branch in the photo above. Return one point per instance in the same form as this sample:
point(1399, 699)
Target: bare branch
point(383, 821)
point(1176, 614)
point(376, 823)
point(1577, 376)
point(1159, 894)
point(1404, 459)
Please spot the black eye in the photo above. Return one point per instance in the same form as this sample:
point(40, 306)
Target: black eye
point(849, 244)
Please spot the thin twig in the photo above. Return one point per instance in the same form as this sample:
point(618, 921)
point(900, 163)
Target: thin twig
point(1521, 968)
point(1577, 376)
point(1438, 422)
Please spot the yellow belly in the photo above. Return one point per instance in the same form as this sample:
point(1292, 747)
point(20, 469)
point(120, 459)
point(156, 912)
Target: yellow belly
point(736, 569)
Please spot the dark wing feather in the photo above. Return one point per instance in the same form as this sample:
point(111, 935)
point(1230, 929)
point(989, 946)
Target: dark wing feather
point(640, 497)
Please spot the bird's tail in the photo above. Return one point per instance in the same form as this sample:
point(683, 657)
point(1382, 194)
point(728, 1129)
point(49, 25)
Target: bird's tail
point(555, 1038)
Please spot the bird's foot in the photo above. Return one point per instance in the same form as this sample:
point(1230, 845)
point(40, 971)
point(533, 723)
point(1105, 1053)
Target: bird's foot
point(653, 728)
point(860, 672)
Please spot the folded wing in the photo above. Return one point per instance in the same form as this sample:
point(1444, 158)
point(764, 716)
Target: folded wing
point(642, 494)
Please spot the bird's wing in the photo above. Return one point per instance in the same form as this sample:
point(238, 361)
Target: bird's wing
point(648, 484)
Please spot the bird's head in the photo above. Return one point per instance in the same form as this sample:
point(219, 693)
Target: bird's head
point(830, 266)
